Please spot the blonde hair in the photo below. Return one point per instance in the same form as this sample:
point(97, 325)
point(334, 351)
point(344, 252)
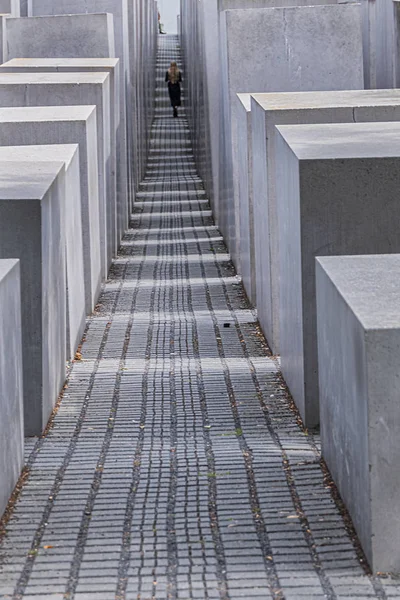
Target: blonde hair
point(173, 72)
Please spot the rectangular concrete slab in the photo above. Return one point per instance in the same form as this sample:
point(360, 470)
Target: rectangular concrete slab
point(61, 36)
point(358, 299)
point(67, 125)
point(267, 111)
point(71, 218)
point(289, 49)
point(11, 396)
point(64, 89)
point(337, 194)
point(31, 229)
point(108, 65)
point(244, 209)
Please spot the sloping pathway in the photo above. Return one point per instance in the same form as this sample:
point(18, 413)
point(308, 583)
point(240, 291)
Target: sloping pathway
point(175, 467)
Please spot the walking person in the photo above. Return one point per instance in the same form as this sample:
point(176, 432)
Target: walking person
point(174, 77)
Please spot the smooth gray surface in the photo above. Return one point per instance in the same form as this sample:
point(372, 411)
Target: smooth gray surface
point(31, 229)
point(67, 125)
point(244, 209)
point(339, 203)
point(10, 7)
point(55, 89)
point(280, 50)
point(11, 398)
point(358, 299)
point(79, 65)
point(61, 36)
point(269, 110)
point(72, 221)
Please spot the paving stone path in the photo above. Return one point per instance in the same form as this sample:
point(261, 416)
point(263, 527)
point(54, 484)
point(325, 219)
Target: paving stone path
point(175, 467)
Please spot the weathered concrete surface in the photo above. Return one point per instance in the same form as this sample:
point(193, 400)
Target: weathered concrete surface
point(78, 65)
point(71, 218)
point(31, 229)
point(287, 49)
point(55, 89)
point(269, 110)
point(67, 125)
point(244, 209)
point(11, 397)
point(61, 36)
point(358, 299)
point(337, 195)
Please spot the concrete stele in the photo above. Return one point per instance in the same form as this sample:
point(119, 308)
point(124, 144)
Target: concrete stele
point(67, 125)
point(71, 217)
point(337, 194)
point(267, 111)
point(11, 397)
point(63, 89)
point(358, 300)
point(31, 229)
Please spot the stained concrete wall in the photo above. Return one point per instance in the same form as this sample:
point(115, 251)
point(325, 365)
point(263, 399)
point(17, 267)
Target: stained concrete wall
point(11, 396)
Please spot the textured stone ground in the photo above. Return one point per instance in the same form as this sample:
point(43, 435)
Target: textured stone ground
point(175, 468)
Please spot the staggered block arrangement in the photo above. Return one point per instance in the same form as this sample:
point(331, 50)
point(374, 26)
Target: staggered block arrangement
point(68, 120)
point(31, 229)
point(358, 299)
point(337, 195)
point(11, 400)
point(268, 111)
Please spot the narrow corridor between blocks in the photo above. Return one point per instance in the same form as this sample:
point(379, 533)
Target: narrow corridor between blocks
point(175, 467)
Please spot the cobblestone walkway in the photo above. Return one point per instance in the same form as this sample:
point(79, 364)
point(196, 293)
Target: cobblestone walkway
point(175, 468)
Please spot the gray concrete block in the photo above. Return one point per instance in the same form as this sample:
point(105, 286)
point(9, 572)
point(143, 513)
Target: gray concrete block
point(31, 196)
point(61, 36)
point(244, 209)
point(267, 111)
point(74, 89)
point(337, 195)
point(78, 65)
point(72, 220)
point(11, 398)
point(289, 49)
point(358, 299)
point(67, 125)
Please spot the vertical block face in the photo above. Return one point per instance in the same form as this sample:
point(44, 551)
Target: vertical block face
point(67, 125)
point(31, 229)
point(11, 398)
point(337, 195)
point(358, 300)
point(71, 217)
point(55, 89)
point(267, 111)
point(289, 49)
point(244, 210)
point(61, 36)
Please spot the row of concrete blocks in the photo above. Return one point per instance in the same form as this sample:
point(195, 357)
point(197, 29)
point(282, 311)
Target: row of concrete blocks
point(62, 219)
point(319, 175)
point(95, 29)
